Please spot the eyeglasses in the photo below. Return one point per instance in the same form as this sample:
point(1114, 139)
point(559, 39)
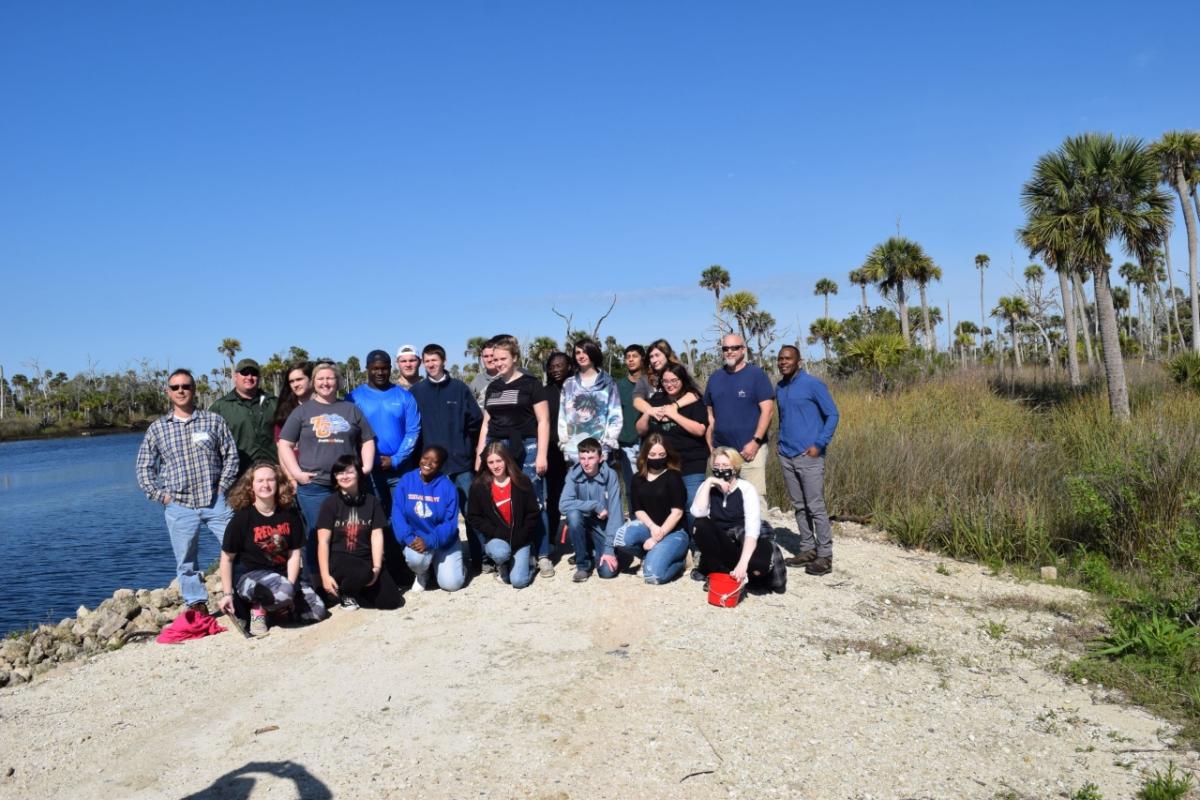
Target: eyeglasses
point(248, 373)
point(180, 387)
point(733, 348)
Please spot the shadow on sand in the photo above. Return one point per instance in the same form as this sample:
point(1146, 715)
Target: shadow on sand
point(239, 783)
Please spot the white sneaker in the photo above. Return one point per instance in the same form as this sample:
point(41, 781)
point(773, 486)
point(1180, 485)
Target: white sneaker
point(421, 584)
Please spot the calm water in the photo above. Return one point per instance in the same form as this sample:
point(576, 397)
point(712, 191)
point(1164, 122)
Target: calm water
point(74, 527)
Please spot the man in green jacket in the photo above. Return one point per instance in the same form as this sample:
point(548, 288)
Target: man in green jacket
point(250, 414)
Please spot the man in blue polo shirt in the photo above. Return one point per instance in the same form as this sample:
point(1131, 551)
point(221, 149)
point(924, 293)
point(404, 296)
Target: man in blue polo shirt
point(807, 420)
point(394, 417)
point(740, 404)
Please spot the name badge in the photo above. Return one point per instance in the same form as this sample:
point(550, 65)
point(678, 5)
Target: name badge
point(200, 437)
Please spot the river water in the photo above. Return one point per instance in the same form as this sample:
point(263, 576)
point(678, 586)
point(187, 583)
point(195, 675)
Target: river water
point(74, 528)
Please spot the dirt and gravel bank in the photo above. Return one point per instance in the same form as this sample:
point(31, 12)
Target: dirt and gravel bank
point(886, 679)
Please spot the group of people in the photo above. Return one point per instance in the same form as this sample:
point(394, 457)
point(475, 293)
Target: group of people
point(318, 497)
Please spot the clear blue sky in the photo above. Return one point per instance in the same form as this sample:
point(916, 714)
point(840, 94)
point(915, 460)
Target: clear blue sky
point(351, 176)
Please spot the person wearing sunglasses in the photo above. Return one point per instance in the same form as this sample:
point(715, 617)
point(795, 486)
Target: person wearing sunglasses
point(188, 461)
point(740, 402)
point(250, 414)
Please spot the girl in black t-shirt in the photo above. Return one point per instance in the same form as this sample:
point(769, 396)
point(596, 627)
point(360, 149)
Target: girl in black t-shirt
point(655, 534)
point(350, 542)
point(260, 553)
point(677, 413)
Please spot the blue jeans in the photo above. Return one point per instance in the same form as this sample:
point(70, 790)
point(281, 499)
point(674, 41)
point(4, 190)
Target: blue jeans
point(691, 483)
point(527, 459)
point(518, 573)
point(383, 485)
point(660, 564)
point(628, 455)
point(183, 526)
point(587, 537)
point(475, 540)
point(447, 562)
point(310, 496)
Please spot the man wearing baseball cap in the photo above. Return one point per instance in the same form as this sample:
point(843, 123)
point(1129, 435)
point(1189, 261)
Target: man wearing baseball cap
point(250, 414)
point(408, 362)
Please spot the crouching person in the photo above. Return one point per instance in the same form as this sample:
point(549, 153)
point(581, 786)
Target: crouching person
point(591, 502)
point(503, 508)
point(655, 534)
point(350, 542)
point(261, 551)
point(425, 521)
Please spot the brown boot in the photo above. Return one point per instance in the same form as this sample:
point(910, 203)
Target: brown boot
point(801, 560)
point(820, 566)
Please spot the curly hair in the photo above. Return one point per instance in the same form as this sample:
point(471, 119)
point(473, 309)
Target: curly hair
point(242, 494)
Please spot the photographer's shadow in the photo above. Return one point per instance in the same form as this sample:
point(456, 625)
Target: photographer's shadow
point(239, 783)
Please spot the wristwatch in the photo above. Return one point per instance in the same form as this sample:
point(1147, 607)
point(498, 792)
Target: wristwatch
point(761, 440)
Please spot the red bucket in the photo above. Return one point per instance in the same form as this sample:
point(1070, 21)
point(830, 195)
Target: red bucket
point(723, 590)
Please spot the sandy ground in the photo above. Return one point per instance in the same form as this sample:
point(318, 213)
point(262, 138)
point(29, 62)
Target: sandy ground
point(608, 689)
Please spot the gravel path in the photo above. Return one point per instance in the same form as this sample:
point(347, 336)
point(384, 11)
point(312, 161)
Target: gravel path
point(882, 680)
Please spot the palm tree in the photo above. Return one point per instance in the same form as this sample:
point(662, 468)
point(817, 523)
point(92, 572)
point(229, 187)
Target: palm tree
point(1178, 152)
point(892, 264)
point(761, 326)
point(824, 330)
point(877, 353)
point(475, 347)
point(1134, 276)
point(982, 260)
point(540, 349)
point(826, 287)
point(924, 271)
point(862, 279)
point(230, 348)
point(1014, 309)
point(715, 278)
point(1096, 188)
point(741, 305)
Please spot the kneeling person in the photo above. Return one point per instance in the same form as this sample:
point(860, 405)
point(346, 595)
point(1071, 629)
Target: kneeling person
point(591, 502)
point(655, 534)
point(425, 521)
point(504, 509)
point(260, 554)
point(350, 542)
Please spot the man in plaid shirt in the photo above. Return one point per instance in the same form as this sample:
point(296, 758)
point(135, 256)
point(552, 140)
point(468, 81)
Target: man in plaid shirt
point(187, 462)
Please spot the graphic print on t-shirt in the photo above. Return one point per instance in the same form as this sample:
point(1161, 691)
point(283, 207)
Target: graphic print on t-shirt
point(326, 425)
point(352, 526)
point(506, 397)
point(273, 541)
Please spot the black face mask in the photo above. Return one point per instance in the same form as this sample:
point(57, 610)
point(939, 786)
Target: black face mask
point(656, 463)
point(723, 474)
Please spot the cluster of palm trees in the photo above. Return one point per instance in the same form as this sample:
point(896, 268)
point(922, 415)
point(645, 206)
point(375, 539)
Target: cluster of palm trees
point(755, 325)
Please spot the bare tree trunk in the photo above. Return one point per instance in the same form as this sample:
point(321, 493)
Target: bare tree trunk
point(866, 308)
point(1189, 221)
point(1114, 363)
point(1012, 328)
point(930, 342)
point(1081, 307)
point(1064, 288)
point(1171, 288)
point(982, 313)
point(902, 299)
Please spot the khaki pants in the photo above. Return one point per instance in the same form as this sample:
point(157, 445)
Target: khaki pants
point(756, 473)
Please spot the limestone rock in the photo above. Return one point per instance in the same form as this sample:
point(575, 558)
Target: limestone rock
point(142, 596)
point(66, 652)
point(14, 651)
point(111, 623)
point(83, 612)
point(20, 675)
point(158, 598)
point(88, 626)
point(35, 654)
point(89, 644)
point(43, 668)
point(126, 606)
point(4, 677)
point(143, 623)
point(122, 594)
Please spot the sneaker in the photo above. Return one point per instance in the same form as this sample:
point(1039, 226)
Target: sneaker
point(421, 584)
point(571, 560)
point(581, 575)
point(349, 603)
point(545, 567)
point(698, 576)
point(820, 566)
point(805, 558)
point(258, 622)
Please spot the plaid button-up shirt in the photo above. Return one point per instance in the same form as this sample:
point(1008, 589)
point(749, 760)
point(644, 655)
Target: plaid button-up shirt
point(188, 460)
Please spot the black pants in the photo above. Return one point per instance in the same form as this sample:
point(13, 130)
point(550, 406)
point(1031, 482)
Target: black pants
point(352, 574)
point(556, 477)
point(721, 548)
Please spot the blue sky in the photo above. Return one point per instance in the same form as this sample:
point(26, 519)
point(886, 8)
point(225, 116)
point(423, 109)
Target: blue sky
point(351, 176)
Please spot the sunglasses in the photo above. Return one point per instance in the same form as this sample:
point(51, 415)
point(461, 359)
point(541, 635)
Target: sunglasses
point(180, 387)
point(733, 348)
point(248, 373)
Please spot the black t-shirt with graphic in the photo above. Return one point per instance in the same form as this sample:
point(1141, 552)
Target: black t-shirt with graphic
point(260, 541)
point(510, 406)
point(351, 523)
point(692, 448)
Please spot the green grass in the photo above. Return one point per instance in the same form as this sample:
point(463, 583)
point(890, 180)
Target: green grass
point(1169, 785)
point(1027, 472)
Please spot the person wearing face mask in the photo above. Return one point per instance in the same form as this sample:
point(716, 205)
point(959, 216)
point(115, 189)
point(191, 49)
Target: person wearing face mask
point(396, 420)
point(740, 402)
point(425, 521)
point(655, 534)
point(350, 541)
point(729, 530)
point(504, 509)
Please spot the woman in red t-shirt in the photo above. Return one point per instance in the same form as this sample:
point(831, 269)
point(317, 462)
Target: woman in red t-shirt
point(503, 507)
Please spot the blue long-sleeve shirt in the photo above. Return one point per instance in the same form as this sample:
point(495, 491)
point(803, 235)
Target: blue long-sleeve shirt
point(591, 494)
point(807, 414)
point(428, 510)
point(394, 417)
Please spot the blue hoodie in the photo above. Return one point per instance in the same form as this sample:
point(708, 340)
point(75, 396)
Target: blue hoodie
point(428, 510)
point(395, 419)
point(590, 494)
